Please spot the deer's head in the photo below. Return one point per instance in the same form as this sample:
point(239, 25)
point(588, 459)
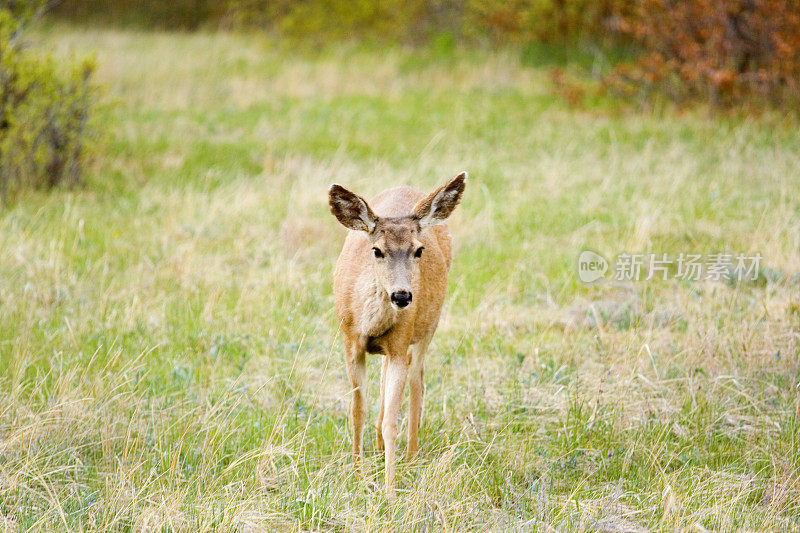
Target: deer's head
point(396, 245)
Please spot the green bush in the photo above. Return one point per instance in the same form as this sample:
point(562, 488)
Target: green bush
point(321, 21)
point(527, 21)
point(44, 110)
point(519, 21)
point(161, 14)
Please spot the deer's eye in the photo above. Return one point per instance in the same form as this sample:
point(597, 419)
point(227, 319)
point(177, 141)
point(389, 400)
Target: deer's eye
point(378, 253)
point(418, 253)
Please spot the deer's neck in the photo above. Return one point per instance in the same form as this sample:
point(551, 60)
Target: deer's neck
point(378, 314)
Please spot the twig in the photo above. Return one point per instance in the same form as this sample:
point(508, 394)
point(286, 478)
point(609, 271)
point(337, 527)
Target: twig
point(44, 8)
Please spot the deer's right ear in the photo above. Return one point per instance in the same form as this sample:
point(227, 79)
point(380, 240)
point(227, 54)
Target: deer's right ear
point(350, 209)
point(438, 205)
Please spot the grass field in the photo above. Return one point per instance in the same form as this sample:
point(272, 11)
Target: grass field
point(169, 357)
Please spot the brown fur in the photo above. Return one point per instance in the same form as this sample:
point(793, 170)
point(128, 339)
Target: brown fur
point(396, 222)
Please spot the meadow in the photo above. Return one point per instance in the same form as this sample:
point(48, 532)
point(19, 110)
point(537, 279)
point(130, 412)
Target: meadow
point(169, 358)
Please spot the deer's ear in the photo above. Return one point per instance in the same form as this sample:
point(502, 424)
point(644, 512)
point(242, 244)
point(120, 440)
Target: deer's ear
point(438, 205)
point(350, 209)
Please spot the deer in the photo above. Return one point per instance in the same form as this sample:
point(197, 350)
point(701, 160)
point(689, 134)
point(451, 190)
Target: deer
point(389, 285)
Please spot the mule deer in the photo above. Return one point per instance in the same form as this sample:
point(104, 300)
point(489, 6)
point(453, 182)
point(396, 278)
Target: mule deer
point(389, 286)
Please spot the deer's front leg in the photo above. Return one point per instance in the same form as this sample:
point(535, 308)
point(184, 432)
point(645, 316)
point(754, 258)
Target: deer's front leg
point(416, 385)
point(355, 359)
point(396, 373)
point(378, 425)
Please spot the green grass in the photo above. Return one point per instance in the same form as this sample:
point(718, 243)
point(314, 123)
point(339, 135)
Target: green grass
point(169, 356)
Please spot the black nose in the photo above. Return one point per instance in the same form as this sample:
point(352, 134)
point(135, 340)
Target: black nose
point(401, 298)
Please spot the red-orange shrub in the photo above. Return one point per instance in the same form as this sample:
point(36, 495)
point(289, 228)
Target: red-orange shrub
point(723, 50)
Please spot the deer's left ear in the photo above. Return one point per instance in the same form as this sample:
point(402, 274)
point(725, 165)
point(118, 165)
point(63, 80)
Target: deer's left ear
point(351, 209)
point(438, 205)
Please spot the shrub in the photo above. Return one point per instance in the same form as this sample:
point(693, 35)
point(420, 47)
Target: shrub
point(723, 50)
point(332, 20)
point(44, 109)
point(542, 20)
point(161, 14)
point(418, 20)
point(385, 20)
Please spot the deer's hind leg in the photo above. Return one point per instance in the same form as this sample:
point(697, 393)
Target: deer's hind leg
point(396, 373)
